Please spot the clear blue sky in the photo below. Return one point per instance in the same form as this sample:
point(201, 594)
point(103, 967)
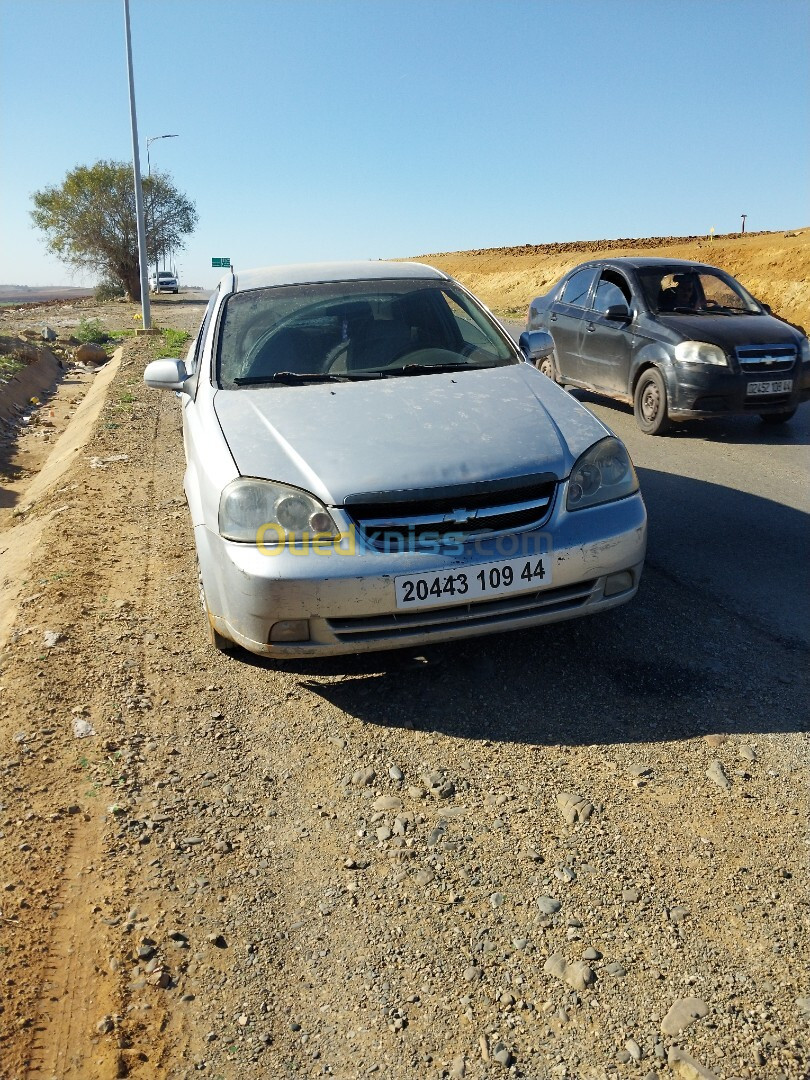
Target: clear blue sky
point(331, 129)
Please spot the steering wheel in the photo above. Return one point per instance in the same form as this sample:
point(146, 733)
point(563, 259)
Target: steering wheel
point(335, 355)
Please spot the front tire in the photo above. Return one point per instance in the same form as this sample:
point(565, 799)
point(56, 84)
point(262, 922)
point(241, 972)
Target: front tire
point(220, 643)
point(650, 403)
point(777, 417)
point(547, 367)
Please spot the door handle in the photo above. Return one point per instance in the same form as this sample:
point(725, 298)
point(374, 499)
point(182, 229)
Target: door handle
point(591, 327)
point(552, 317)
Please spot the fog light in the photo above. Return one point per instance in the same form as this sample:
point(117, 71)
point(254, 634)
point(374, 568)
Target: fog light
point(290, 630)
point(614, 583)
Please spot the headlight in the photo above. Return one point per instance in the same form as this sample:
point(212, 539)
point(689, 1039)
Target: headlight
point(280, 513)
point(602, 474)
point(700, 352)
point(804, 351)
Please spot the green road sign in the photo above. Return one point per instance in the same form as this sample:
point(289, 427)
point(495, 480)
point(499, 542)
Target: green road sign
point(221, 262)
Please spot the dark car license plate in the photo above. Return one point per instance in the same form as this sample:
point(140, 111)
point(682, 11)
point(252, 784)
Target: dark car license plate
point(770, 386)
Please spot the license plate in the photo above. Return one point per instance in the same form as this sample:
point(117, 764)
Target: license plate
point(771, 386)
point(477, 582)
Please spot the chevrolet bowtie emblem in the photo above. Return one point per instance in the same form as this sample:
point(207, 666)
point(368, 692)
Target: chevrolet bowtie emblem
point(460, 517)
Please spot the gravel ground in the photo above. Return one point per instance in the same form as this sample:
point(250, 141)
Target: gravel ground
point(182, 312)
point(574, 852)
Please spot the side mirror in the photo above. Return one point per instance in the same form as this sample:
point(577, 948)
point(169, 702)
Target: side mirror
point(766, 308)
point(618, 313)
point(166, 374)
point(536, 345)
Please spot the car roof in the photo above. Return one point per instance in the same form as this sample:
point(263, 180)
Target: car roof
point(637, 263)
point(314, 273)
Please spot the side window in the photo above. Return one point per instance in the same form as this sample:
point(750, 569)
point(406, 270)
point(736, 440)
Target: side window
point(578, 286)
point(612, 289)
point(196, 352)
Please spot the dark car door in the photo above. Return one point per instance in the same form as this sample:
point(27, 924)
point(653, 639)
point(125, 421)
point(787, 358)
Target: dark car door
point(566, 321)
point(606, 345)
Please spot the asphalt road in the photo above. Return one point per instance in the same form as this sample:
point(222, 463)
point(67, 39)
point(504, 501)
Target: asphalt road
point(729, 511)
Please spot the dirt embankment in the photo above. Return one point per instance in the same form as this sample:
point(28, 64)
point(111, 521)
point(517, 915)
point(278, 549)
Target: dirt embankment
point(775, 267)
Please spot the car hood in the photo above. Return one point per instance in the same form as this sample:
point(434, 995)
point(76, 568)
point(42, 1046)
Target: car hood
point(424, 431)
point(730, 330)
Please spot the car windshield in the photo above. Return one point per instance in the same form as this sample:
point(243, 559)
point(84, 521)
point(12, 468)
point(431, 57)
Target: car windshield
point(698, 290)
point(294, 334)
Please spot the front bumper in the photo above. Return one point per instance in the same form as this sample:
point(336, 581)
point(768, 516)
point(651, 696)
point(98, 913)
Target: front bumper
point(349, 600)
point(697, 390)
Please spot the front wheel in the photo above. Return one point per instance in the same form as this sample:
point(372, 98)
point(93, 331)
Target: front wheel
point(547, 367)
point(220, 643)
point(650, 403)
point(777, 417)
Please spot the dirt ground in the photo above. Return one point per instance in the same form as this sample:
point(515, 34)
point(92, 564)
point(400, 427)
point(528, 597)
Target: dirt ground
point(578, 852)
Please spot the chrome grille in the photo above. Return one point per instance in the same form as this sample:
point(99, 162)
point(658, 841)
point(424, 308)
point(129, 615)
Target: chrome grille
point(401, 521)
point(763, 359)
point(487, 613)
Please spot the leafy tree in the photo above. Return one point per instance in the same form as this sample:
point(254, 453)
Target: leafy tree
point(90, 222)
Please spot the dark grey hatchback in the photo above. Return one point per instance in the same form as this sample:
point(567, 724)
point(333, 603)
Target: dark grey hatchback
point(678, 339)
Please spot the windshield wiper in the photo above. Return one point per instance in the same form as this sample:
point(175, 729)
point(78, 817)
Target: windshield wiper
point(291, 377)
point(433, 369)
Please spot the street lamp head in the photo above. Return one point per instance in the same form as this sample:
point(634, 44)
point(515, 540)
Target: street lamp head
point(151, 139)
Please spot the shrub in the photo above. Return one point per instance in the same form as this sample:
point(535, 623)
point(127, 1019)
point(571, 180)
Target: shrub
point(108, 290)
point(9, 366)
point(90, 331)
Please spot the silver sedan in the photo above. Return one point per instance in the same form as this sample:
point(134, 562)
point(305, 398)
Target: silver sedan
point(371, 462)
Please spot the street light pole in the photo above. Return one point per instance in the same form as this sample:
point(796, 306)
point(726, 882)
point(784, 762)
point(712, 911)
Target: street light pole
point(151, 139)
point(146, 313)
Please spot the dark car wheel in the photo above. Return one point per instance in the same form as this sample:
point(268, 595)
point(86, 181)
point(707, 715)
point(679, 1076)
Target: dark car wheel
point(650, 403)
point(777, 417)
point(547, 367)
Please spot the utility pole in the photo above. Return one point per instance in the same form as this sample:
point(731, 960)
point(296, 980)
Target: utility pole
point(136, 168)
point(743, 216)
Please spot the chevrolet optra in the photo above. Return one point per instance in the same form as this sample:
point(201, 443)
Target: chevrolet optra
point(372, 462)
